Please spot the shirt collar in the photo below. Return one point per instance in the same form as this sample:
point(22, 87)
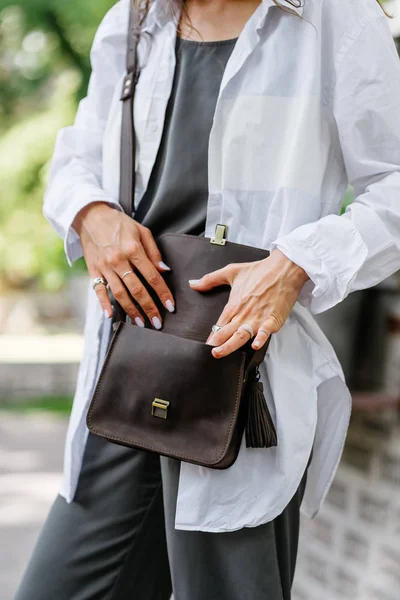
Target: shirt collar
point(297, 9)
point(161, 12)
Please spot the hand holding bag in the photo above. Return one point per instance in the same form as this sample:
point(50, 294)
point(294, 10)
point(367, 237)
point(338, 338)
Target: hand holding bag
point(163, 391)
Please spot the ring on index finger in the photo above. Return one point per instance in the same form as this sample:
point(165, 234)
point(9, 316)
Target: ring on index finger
point(98, 281)
point(216, 328)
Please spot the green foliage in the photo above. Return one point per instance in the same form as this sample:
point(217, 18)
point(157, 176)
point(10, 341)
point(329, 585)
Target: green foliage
point(44, 71)
point(56, 405)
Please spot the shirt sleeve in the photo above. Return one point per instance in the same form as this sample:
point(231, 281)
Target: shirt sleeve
point(360, 248)
point(75, 178)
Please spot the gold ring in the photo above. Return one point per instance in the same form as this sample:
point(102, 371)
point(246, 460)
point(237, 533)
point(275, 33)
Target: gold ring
point(126, 273)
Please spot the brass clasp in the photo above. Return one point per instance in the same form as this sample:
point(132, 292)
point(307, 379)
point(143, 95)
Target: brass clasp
point(220, 232)
point(159, 408)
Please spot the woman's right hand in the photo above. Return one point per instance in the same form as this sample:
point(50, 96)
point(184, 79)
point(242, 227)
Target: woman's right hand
point(113, 244)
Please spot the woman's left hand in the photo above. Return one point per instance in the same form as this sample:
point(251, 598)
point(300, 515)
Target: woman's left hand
point(263, 294)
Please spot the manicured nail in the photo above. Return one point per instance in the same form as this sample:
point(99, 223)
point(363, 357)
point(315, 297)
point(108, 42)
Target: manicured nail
point(156, 322)
point(256, 344)
point(170, 306)
point(164, 266)
point(107, 314)
point(139, 322)
point(217, 350)
point(194, 281)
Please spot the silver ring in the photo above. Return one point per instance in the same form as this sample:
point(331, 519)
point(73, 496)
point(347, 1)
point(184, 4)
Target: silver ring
point(247, 327)
point(215, 328)
point(126, 273)
point(263, 330)
point(98, 281)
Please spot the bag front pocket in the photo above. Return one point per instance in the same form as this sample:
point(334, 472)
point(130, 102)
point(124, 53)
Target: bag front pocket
point(169, 395)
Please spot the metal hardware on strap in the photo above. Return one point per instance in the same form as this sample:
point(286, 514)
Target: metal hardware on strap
point(128, 85)
point(219, 238)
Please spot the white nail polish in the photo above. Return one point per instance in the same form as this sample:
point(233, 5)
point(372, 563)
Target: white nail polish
point(170, 306)
point(156, 322)
point(107, 314)
point(139, 322)
point(164, 266)
point(194, 281)
point(256, 344)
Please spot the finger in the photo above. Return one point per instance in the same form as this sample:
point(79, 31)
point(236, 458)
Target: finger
point(138, 291)
point(223, 334)
point(270, 326)
point(260, 339)
point(138, 257)
point(151, 248)
point(102, 295)
point(230, 313)
point(121, 295)
point(210, 280)
point(236, 341)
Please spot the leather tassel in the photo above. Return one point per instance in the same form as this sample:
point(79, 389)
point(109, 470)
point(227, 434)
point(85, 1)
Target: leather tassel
point(260, 429)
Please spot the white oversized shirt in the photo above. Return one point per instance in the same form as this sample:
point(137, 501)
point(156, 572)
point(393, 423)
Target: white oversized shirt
point(305, 106)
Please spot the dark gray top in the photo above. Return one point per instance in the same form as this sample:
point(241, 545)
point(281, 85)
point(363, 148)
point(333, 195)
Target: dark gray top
point(176, 198)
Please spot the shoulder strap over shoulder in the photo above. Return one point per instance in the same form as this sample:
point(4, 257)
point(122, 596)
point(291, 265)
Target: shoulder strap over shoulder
point(128, 145)
point(128, 141)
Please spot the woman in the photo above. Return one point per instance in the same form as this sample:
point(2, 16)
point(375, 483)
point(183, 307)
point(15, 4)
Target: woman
point(255, 115)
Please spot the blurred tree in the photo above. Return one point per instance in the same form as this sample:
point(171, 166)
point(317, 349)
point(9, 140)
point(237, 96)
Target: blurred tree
point(40, 37)
point(44, 71)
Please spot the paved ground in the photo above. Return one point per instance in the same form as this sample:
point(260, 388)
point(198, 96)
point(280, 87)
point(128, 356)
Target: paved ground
point(31, 449)
point(31, 452)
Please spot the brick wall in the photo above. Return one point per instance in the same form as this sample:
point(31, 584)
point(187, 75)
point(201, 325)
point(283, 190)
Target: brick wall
point(352, 550)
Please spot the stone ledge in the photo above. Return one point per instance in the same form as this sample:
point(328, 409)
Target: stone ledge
point(24, 381)
point(34, 349)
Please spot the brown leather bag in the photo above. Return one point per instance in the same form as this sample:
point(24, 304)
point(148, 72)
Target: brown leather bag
point(163, 391)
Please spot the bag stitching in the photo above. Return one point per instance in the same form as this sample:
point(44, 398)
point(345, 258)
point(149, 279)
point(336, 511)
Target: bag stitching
point(154, 448)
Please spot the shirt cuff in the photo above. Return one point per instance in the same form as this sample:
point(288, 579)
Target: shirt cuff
point(331, 252)
point(72, 243)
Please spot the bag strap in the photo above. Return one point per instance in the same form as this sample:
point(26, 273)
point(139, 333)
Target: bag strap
point(128, 140)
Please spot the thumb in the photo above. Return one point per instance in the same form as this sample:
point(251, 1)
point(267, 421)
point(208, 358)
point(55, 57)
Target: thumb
point(210, 280)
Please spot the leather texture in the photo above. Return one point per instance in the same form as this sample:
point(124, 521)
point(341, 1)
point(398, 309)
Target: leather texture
point(203, 393)
point(207, 411)
point(191, 257)
point(128, 139)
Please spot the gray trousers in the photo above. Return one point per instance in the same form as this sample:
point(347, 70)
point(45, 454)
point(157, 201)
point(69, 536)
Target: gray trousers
point(117, 541)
